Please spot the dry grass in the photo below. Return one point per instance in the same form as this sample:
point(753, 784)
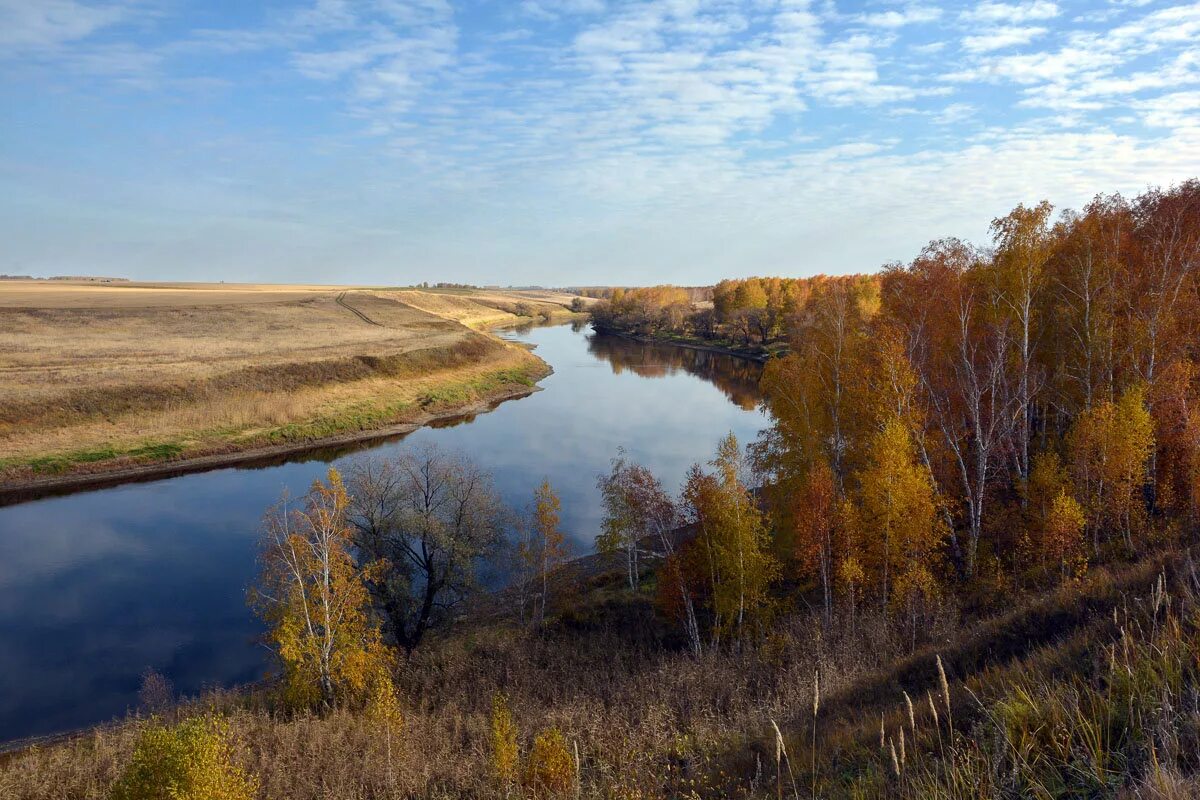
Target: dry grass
point(221, 367)
point(485, 308)
point(129, 294)
point(649, 721)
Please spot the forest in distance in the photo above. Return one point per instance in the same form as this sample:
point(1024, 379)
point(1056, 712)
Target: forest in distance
point(958, 561)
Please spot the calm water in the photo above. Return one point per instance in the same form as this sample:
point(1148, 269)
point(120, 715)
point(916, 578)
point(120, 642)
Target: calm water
point(96, 587)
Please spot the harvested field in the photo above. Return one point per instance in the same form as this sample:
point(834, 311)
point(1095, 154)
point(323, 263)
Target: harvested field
point(92, 376)
point(485, 308)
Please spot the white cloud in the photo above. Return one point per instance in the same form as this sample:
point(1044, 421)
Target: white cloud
point(672, 132)
point(909, 15)
point(1001, 38)
point(553, 9)
point(1012, 13)
point(953, 113)
point(1179, 110)
point(42, 24)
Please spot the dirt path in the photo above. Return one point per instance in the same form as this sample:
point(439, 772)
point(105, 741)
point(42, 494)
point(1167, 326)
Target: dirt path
point(341, 301)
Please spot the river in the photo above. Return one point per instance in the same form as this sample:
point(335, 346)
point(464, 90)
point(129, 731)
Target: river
point(98, 586)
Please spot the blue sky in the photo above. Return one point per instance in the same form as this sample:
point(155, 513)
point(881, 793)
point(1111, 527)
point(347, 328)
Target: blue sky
point(567, 141)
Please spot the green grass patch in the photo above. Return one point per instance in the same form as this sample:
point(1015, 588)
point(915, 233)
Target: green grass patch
point(63, 462)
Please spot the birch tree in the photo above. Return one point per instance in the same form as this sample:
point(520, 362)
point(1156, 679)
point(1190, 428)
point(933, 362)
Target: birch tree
point(314, 599)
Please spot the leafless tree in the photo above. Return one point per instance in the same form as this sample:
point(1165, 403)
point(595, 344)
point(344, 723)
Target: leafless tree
point(425, 519)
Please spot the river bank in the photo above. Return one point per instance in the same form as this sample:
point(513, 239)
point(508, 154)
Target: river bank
point(757, 355)
point(109, 475)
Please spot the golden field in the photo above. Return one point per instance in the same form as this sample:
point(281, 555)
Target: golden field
point(97, 376)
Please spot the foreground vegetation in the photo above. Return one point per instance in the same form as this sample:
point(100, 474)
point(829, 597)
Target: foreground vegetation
point(103, 377)
point(1033, 693)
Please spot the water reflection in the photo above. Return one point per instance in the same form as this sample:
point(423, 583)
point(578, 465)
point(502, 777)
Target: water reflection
point(736, 377)
point(97, 586)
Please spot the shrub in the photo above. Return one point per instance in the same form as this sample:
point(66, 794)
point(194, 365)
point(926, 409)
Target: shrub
point(550, 771)
point(191, 761)
point(504, 742)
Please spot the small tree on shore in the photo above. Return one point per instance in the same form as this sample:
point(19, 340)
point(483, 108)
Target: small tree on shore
point(638, 508)
point(422, 522)
point(545, 548)
point(312, 595)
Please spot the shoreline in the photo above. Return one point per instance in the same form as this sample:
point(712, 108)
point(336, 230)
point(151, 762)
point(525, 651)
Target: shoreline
point(26, 491)
point(760, 358)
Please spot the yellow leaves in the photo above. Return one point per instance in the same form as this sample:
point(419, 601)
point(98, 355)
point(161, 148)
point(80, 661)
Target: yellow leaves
point(899, 527)
point(549, 770)
point(505, 752)
point(546, 508)
point(191, 761)
point(1064, 534)
point(1110, 446)
point(851, 575)
point(734, 538)
point(383, 701)
point(1056, 519)
point(312, 595)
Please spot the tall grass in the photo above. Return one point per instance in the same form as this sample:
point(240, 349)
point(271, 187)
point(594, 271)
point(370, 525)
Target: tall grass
point(1112, 710)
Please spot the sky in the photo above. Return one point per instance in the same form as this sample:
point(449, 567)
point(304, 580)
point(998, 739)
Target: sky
point(567, 142)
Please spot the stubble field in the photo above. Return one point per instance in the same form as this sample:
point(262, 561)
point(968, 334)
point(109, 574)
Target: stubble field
point(99, 376)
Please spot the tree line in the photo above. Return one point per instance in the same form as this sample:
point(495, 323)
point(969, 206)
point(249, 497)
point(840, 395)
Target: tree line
point(976, 421)
point(992, 416)
point(746, 312)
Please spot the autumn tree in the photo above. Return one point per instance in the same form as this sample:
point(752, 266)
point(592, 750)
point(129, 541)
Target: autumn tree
point(733, 536)
point(635, 507)
point(1110, 447)
point(815, 522)
point(899, 529)
point(1166, 251)
point(422, 521)
point(1176, 414)
point(546, 549)
point(1056, 520)
point(959, 348)
point(639, 513)
point(1082, 315)
point(189, 761)
point(1024, 244)
point(506, 754)
point(313, 597)
point(812, 393)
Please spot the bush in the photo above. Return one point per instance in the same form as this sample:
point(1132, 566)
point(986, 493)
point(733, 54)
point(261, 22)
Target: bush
point(504, 742)
point(191, 761)
point(550, 770)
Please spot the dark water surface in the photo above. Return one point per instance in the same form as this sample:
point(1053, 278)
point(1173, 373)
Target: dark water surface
point(96, 587)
